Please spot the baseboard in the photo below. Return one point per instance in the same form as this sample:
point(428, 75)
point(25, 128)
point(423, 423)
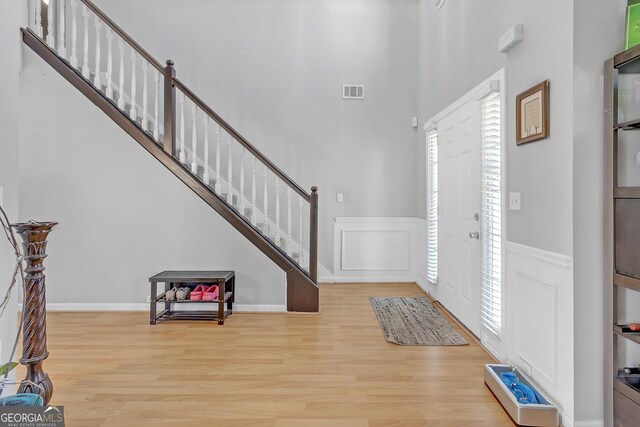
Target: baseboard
point(93, 306)
point(238, 308)
point(369, 279)
point(259, 308)
point(569, 422)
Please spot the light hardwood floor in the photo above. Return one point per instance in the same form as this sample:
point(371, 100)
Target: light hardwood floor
point(332, 369)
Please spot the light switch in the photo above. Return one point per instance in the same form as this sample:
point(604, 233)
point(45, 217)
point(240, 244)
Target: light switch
point(1, 196)
point(514, 201)
point(340, 197)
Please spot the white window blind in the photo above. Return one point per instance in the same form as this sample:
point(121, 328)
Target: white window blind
point(432, 206)
point(491, 214)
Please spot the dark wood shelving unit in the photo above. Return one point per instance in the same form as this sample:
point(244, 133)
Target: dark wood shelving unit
point(226, 287)
point(622, 227)
point(630, 125)
point(632, 336)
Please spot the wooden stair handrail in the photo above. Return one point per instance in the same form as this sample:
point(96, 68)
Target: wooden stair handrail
point(302, 287)
point(115, 27)
point(236, 135)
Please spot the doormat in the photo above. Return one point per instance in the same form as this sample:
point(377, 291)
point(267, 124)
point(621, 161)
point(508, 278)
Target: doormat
point(413, 321)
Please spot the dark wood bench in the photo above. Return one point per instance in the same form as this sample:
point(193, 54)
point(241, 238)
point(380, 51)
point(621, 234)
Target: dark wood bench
point(224, 279)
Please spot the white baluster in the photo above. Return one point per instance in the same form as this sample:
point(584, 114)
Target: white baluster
point(230, 174)
point(253, 192)
point(277, 211)
point(86, 72)
point(145, 119)
point(121, 75)
point(205, 125)
point(156, 107)
point(62, 51)
point(96, 76)
point(133, 114)
point(242, 181)
point(38, 28)
point(265, 200)
point(109, 91)
point(194, 139)
point(51, 39)
point(301, 208)
point(218, 186)
point(182, 156)
point(289, 221)
point(74, 33)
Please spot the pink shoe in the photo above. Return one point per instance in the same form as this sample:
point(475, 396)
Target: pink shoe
point(196, 294)
point(211, 294)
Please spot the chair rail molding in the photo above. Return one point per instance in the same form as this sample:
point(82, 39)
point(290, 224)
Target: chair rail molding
point(379, 249)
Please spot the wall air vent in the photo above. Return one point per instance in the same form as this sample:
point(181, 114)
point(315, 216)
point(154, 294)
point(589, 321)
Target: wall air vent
point(352, 91)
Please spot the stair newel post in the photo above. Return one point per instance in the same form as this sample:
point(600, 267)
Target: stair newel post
point(194, 139)
point(62, 51)
point(205, 125)
point(156, 105)
point(182, 155)
point(39, 18)
point(86, 73)
point(289, 252)
point(145, 119)
point(74, 33)
point(277, 238)
point(169, 109)
point(133, 113)
point(109, 90)
point(96, 78)
point(241, 205)
point(34, 314)
point(253, 192)
point(313, 236)
point(218, 185)
point(51, 39)
point(229, 172)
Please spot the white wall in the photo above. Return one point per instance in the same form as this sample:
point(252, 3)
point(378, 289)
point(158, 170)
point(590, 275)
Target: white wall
point(274, 69)
point(591, 48)
point(123, 216)
point(10, 19)
point(565, 42)
point(451, 65)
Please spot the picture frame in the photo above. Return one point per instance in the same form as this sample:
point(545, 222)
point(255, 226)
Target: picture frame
point(532, 114)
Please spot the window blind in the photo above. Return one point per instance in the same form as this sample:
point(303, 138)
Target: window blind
point(491, 226)
point(432, 207)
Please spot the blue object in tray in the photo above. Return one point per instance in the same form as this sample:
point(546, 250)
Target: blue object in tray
point(523, 393)
point(22, 399)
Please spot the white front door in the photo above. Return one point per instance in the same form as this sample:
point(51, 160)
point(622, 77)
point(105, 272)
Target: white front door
point(459, 188)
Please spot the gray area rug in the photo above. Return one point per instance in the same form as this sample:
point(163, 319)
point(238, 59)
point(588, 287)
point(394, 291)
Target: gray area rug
point(414, 321)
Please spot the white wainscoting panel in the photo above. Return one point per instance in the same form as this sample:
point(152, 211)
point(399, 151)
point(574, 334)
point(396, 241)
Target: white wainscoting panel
point(379, 250)
point(539, 321)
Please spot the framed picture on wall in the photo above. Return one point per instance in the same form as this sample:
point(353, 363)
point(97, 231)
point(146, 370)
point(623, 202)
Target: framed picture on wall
point(532, 114)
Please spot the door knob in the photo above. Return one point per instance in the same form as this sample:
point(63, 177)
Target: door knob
point(474, 235)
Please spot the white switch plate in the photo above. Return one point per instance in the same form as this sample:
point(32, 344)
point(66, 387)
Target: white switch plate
point(514, 201)
point(1, 196)
point(414, 122)
point(339, 197)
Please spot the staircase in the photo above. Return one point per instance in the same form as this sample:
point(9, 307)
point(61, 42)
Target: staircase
point(182, 132)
